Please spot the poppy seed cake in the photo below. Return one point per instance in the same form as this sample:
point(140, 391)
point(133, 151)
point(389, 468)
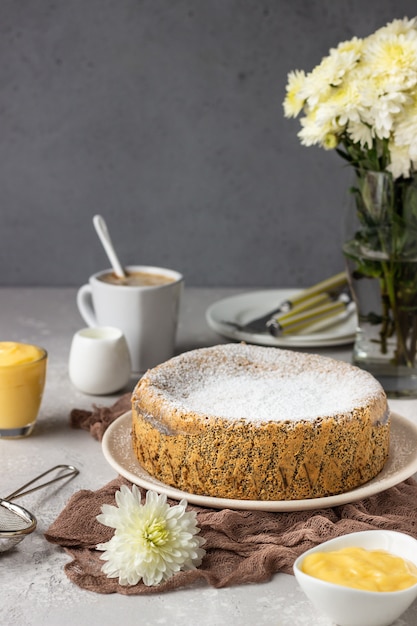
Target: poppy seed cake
point(253, 423)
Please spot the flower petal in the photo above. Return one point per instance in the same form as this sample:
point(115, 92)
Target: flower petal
point(152, 541)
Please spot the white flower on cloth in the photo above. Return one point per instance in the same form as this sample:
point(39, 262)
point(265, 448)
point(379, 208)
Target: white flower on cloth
point(151, 541)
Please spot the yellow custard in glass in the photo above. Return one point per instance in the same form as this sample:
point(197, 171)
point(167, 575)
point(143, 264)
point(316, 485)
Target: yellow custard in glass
point(369, 570)
point(22, 381)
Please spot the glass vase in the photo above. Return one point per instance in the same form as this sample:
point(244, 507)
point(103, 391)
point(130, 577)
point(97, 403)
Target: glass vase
point(381, 254)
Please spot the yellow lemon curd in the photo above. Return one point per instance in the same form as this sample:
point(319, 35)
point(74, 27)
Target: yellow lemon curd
point(369, 570)
point(22, 380)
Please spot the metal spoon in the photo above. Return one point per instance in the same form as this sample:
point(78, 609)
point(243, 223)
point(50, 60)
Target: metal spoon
point(103, 233)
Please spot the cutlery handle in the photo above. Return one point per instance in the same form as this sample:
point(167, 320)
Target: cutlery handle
point(309, 303)
point(329, 284)
point(293, 324)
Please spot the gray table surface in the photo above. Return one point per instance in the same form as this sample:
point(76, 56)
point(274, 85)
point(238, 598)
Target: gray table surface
point(34, 588)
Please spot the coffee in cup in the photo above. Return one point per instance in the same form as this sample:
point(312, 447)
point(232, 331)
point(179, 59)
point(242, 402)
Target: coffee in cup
point(137, 279)
point(146, 310)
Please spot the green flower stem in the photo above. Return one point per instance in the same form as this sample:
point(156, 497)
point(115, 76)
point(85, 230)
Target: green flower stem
point(387, 213)
point(384, 333)
point(413, 341)
point(402, 355)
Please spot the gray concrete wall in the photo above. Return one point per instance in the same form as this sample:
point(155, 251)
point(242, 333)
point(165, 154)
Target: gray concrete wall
point(165, 116)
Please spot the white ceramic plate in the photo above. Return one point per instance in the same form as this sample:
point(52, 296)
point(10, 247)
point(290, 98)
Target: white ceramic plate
point(245, 307)
point(401, 464)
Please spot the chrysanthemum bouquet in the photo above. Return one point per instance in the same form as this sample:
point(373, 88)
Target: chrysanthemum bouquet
point(361, 100)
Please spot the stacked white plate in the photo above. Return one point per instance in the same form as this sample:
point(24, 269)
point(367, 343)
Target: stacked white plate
point(245, 307)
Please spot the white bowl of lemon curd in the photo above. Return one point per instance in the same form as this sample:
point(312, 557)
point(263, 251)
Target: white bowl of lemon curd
point(366, 578)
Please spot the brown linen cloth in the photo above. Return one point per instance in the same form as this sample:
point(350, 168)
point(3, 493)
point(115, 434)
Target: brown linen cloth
point(97, 420)
point(241, 546)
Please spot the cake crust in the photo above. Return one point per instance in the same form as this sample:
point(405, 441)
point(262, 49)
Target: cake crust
point(252, 423)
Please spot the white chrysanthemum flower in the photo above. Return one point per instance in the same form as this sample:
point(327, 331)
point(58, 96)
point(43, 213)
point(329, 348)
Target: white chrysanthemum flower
point(343, 105)
point(405, 132)
point(384, 113)
point(293, 102)
point(151, 541)
point(318, 132)
point(397, 27)
point(320, 82)
point(360, 133)
point(352, 46)
point(392, 60)
point(401, 163)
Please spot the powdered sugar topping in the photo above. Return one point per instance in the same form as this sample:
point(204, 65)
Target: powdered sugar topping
point(237, 381)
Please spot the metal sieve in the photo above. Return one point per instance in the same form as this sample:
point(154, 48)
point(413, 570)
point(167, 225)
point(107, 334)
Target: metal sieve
point(15, 521)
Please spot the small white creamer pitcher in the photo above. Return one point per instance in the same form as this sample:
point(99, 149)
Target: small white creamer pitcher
point(99, 360)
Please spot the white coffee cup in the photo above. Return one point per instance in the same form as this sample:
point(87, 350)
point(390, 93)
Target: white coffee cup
point(99, 360)
point(147, 315)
